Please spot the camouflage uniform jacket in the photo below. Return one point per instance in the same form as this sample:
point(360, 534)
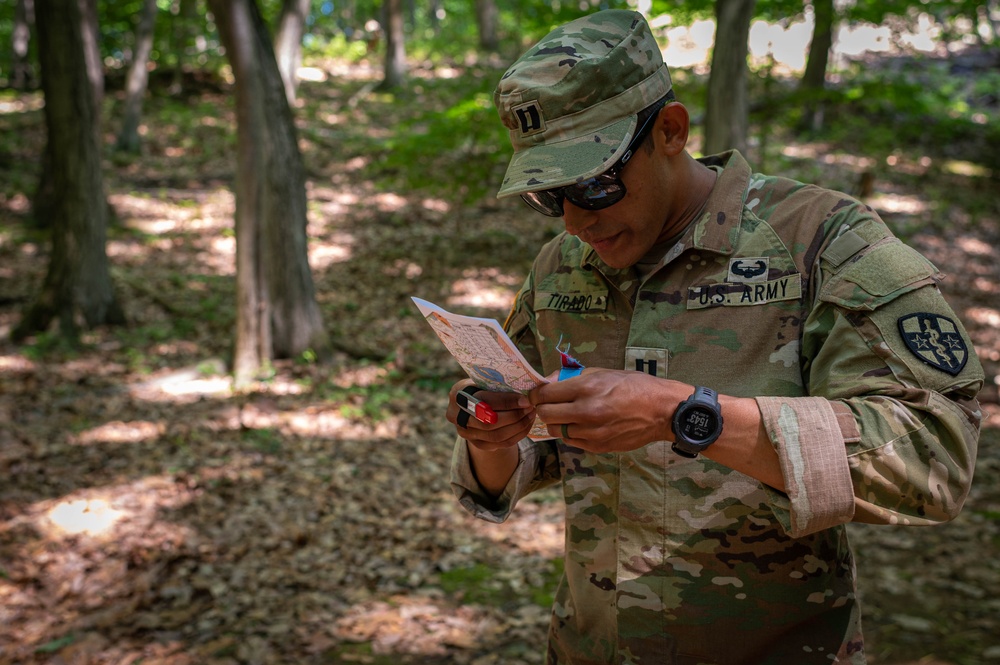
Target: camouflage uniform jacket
point(866, 380)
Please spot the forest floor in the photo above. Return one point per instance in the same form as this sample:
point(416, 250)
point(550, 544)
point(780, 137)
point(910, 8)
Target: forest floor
point(150, 514)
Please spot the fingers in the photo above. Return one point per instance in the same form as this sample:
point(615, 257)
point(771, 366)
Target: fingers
point(514, 416)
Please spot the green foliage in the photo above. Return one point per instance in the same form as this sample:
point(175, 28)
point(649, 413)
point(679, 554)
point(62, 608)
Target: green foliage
point(453, 144)
point(479, 584)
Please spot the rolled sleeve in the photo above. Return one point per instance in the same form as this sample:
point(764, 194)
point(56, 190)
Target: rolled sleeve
point(524, 480)
point(808, 435)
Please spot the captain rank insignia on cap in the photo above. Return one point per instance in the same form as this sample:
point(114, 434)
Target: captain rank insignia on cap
point(935, 340)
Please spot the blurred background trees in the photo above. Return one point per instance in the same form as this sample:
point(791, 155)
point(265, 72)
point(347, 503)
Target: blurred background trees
point(128, 47)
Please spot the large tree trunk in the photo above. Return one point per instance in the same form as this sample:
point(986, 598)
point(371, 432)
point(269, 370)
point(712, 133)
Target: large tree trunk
point(24, 18)
point(77, 289)
point(395, 45)
point(277, 313)
point(727, 109)
point(137, 79)
point(92, 71)
point(288, 43)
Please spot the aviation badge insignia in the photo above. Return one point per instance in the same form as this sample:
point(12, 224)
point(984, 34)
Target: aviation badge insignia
point(745, 270)
point(935, 340)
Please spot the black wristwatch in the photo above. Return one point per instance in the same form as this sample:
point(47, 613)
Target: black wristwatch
point(697, 422)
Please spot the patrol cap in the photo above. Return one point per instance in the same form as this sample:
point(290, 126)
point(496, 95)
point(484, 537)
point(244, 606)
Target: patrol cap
point(571, 101)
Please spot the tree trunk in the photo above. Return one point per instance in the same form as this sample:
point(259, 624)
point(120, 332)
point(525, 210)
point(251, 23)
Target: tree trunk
point(77, 289)
point(277, 314)
point(395, 45)
point(814, 78)
point(727, 108)
point(24, 18)
point(46, 194)
point(180, 40)
point(288, 43)
point(486, 18)
point(137, 79)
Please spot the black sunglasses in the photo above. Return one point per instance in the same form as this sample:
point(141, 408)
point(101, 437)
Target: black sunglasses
point(599, 192)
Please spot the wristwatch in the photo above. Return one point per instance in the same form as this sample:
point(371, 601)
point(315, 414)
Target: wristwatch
point(697, 422)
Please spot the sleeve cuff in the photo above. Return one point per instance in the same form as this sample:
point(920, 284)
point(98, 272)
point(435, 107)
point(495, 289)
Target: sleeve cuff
point(474, 499)
point(809, 435)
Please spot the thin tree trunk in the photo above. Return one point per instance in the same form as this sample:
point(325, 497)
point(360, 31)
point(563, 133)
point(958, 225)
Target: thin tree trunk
point(277, 313)
point(137, 79)
point(814, 78)
point(395, 45)
point(486, 17)
point(727, 109)
point(77, 289)
point(288, 43)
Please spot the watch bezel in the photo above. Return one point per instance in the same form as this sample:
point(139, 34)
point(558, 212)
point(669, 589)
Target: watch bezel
point(706, 400)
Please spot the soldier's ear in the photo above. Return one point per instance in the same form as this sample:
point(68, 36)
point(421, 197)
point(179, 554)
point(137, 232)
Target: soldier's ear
point(672, 127)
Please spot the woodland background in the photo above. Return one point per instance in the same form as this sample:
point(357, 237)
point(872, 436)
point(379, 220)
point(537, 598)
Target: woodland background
point(155, 507)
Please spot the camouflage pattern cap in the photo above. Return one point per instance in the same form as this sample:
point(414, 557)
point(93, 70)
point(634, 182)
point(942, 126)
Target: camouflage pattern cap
point(570, 102)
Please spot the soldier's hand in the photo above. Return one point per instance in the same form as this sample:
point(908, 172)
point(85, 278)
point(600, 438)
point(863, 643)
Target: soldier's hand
point(604, 410)
point(515, 415)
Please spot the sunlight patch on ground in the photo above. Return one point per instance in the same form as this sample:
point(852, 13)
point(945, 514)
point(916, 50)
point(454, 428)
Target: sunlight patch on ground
point(326, 251)
point(330, 423)
point(186, 384)
point(16, 364)
point(488, 289)
point(105, 512)
point(415, 625)
point(974, 246)
point(985, 316)
point(18, 203)
point(135, 431)
point(898, 204)
point(93, 517)
point(390, 202)
point(25, 103)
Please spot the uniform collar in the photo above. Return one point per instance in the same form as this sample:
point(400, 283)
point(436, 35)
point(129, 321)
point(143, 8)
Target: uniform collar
point(717, 229)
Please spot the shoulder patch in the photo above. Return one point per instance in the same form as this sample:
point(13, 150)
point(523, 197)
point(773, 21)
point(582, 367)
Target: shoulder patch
point(935, 340)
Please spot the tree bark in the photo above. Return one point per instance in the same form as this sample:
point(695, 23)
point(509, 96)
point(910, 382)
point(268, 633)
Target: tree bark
point(727, 107)
point(486, 17)
point(288, 43)
point(77, 289)
point(137, 79)
point(395, 45)
point(277, 313)
point(814, 78)
point(47, 193)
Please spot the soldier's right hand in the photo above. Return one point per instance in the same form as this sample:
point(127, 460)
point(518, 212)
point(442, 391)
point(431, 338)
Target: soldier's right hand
point(515, 416)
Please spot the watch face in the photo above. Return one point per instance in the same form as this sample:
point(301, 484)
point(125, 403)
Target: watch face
point(698, 423)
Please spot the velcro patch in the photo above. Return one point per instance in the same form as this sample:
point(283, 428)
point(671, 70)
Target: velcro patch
point(788, 287)
point(651, 361)
point(935, 340)
point(575, 303)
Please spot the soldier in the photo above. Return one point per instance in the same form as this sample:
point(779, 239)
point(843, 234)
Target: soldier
point(765, 363)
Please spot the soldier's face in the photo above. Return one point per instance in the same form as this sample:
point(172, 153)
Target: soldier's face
point(622, 234)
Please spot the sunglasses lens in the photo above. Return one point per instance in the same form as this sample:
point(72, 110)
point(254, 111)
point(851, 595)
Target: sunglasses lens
point(547, 202)
point(596, 193)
